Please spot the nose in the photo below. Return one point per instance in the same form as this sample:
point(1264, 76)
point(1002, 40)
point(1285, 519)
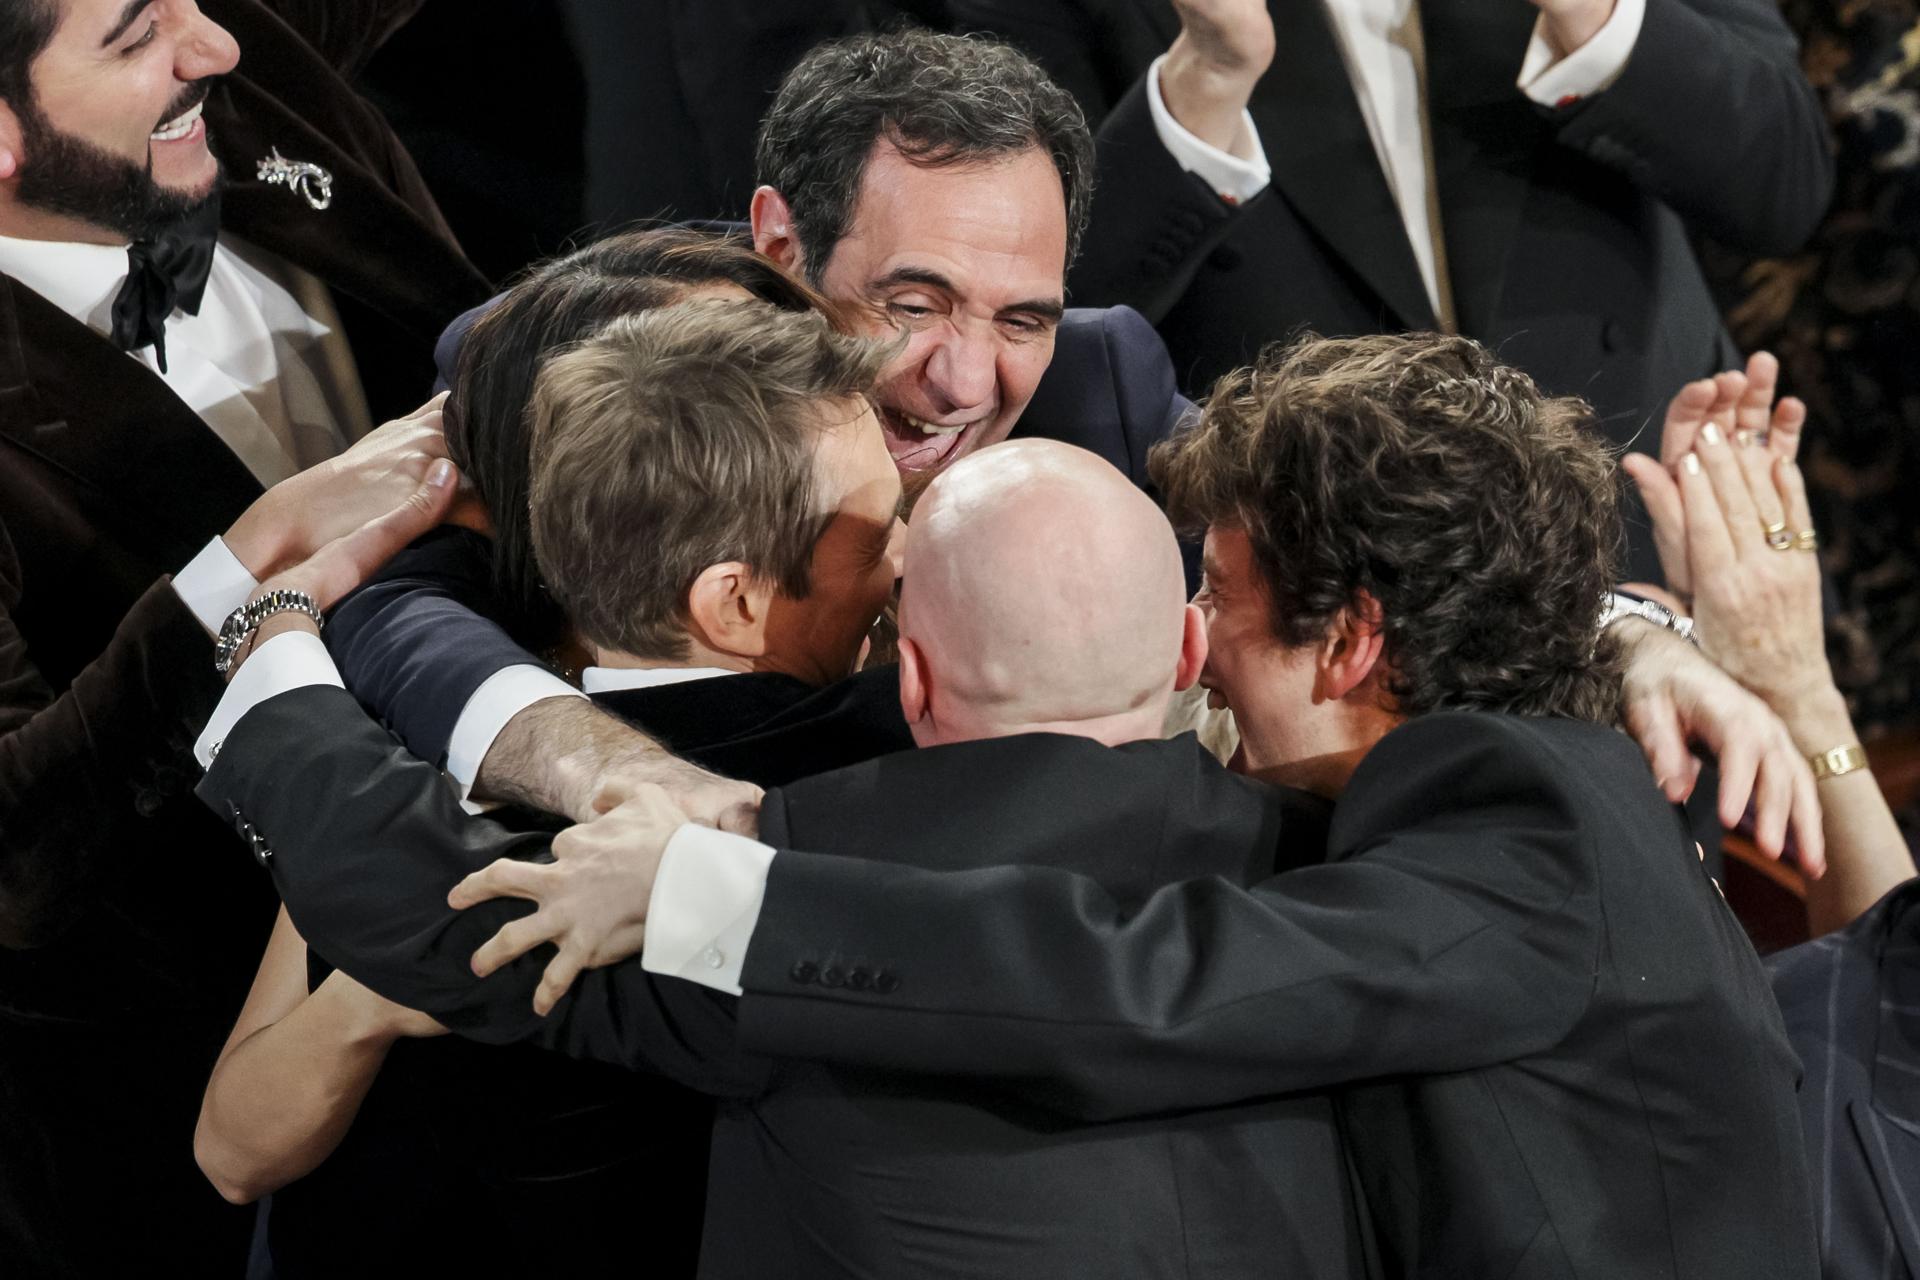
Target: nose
point(897, 548)
point(206, 49)
point(961, 371)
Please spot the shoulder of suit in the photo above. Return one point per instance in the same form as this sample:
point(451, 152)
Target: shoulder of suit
point(1463, 756)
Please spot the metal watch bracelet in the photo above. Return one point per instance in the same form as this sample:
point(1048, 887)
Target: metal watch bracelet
point(246, 620)
point(1617, 605)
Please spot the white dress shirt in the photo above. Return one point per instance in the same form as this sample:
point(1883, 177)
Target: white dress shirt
point(264, 363)
point(1385, 55)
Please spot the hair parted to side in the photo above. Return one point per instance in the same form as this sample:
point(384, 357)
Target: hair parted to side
point(557, 303)
point(941, 99)
point(681, 438)
point(1480, 514)
point(26, 29)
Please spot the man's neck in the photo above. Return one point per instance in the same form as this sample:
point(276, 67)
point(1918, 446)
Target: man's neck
point(699, 657)
point(1113, 731)
point(22, 223)
point(1323, 761)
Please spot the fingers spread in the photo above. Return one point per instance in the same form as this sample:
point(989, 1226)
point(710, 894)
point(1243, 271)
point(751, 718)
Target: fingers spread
point(515, 939)
point(557, 980)
point(1656, 727)
point(506, 878)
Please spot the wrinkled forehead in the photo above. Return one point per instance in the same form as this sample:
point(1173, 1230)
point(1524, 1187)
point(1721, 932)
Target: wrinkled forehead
point(993, 227)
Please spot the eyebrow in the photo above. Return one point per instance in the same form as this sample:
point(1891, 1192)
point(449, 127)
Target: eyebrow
point(128, 16)
point(1047, 308)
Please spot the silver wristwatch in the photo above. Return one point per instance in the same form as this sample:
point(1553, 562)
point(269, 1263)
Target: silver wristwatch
point(1615, 606)
point(246, 620)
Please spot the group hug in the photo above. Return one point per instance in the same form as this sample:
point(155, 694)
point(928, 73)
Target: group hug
point(808, 756)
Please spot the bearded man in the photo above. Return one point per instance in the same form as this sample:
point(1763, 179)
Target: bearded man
point(184, 249)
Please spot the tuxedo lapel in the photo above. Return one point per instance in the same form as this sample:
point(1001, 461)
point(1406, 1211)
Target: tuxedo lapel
point(368, 243)
point(1324, 163)
point(1486, 136)
point(125, 434)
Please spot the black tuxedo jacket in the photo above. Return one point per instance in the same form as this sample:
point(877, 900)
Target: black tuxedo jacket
point(130, 922)
point(480, 1159)
point(1556, 1051)
point(1567, 231)
point(416, 642)
point(830, 1173)
point(1852, 1007)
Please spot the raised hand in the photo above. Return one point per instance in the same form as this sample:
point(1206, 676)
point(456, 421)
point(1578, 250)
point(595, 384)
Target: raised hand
point(1223, 49)
point(303, 513)
point(1740, 406)
point(592, 898)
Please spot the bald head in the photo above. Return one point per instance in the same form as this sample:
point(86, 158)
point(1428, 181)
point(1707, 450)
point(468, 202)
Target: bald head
point(1043, 591)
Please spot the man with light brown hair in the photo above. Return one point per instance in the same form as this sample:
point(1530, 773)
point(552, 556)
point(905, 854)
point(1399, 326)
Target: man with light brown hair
point(733, 442)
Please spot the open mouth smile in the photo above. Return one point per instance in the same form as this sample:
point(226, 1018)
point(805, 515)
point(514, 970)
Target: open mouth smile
point(919, 445)
point(184, 125)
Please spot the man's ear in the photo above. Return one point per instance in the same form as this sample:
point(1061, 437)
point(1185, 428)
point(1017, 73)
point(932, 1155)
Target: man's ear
point(913, 681)
point(11, 142)
point(1352, 647)
point(727, 609)
point(772, 224)
point(1193, 649)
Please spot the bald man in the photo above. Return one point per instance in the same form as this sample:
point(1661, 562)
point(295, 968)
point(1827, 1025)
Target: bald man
point(1044, 628)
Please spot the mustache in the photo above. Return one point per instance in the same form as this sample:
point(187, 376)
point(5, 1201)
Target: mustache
point(189, 97)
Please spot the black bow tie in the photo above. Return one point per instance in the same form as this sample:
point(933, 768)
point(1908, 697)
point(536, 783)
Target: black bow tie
point(167, 271)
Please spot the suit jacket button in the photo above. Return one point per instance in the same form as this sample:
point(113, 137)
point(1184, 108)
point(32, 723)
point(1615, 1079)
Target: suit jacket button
point(885, 983)
point(859, 980)
point(147, 802)
point(804, 971)
point(832, 976)
point(1224, 258)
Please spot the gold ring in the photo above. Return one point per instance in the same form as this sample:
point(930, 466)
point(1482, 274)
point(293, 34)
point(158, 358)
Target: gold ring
point(1780, 540)
point(1806, 540)
point(1778, 526)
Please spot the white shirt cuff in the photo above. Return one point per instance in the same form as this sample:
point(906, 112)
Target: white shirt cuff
point(506, 693)
point(1588, 70)
point(1237, 177)
point(214, 584)
point(705, 904)
point(291, 660)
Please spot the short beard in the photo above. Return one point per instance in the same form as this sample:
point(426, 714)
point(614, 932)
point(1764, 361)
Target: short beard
point(67, 175)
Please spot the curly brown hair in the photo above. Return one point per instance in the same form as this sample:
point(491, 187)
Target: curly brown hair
point(1480, 514)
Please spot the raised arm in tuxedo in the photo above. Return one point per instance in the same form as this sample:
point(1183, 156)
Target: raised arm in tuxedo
point(364, 851)
point(1711, 115)
point(1457, 924)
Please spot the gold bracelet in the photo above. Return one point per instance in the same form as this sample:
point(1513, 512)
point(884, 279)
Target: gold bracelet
point(1837, 762)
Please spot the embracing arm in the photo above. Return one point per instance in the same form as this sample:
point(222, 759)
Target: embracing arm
point(364, 852)
point(1461, 929)
point(1713, 115)
point(293, 1074)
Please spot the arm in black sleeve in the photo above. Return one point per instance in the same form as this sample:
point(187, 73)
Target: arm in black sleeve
point(1713, 115)
point(419, 640)
point(1457, 927)
point(1153, 223)
point(366, 842)
point(77, 769)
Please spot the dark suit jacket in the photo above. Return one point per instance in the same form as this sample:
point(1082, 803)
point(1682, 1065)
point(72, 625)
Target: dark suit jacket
point(1852, 1007)
point(826, 1173)
point(416, 642)
point(1557, 1051)
point(130, 922)
point(1567, 231)
point(483, 1160)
